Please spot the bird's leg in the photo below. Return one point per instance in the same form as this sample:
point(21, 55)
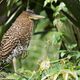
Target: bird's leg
point(14, 64)
point(16, 52)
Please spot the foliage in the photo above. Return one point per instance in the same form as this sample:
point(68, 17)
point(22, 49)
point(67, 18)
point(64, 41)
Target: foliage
point(53, 53)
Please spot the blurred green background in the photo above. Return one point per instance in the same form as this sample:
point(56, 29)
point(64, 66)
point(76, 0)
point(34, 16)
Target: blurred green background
point(54, 50)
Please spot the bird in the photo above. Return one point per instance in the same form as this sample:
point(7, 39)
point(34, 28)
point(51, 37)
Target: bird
point(17, 38)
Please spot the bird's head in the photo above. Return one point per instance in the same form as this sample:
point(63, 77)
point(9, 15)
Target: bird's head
point(34, 16)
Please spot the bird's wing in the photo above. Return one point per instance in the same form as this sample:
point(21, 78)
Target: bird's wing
point(8, 43)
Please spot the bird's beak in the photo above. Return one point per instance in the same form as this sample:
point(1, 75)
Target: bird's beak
point(36, 17)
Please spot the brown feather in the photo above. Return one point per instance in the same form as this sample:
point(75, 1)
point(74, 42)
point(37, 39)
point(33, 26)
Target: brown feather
point(19, 32)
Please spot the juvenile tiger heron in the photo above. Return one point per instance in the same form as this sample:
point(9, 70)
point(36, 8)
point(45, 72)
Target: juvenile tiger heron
point(17, 38)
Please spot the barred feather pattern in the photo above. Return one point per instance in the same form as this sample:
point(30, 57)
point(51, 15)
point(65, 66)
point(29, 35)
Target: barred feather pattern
point(16, 40)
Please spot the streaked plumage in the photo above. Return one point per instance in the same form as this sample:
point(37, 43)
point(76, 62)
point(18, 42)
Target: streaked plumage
point(16, 40)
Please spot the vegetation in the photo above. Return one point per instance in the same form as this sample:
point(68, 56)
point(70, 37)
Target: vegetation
point(54, 51)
